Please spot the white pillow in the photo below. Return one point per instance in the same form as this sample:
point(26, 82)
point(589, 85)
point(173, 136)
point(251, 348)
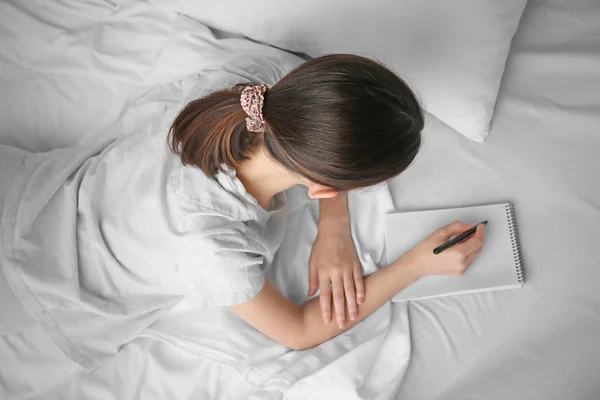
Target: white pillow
point(452, 52)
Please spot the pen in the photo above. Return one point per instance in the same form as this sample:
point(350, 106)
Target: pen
point(457, 239)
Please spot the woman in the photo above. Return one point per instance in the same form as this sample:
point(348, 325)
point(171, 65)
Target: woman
point(99, 240)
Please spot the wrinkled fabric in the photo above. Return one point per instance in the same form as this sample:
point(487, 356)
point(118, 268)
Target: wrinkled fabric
point(100, 239)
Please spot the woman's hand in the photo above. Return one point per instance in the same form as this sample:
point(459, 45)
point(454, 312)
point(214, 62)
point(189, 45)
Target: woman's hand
point(452, 261)
point(334, 267)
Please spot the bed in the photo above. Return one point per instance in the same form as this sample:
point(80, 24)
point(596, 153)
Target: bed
point(542, 154)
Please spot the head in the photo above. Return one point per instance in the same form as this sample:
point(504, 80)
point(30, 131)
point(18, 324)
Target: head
point(338, 122)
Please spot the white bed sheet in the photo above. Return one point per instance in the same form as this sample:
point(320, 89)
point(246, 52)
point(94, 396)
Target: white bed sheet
point(72, 68)
point(542, 154)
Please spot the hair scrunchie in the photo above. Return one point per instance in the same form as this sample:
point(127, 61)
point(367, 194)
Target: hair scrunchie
point(252, 99)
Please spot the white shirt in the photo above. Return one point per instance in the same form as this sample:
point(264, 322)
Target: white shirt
point(99, 240)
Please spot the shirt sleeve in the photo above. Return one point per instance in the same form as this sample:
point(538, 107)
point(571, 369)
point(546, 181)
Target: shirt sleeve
point(222, 269)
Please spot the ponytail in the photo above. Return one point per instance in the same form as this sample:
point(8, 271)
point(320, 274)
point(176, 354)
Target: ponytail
point(211, 132)
point(342, 121)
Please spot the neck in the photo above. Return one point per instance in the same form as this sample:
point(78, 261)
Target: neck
point(263, 178)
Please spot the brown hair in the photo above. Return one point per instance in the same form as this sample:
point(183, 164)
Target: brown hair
point(341, 120)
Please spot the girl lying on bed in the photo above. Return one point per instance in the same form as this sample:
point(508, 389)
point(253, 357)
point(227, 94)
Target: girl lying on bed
point(99, 240)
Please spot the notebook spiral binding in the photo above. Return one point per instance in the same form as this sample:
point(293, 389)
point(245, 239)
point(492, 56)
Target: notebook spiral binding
point(516, 244)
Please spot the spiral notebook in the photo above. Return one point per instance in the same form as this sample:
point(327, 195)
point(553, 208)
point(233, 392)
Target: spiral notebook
point(499, 266)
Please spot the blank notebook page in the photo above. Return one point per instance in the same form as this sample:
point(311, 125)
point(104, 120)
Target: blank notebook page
point(497, 267)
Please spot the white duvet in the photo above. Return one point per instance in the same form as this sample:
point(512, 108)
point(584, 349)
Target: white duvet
point(70, 69)
point(82, 67)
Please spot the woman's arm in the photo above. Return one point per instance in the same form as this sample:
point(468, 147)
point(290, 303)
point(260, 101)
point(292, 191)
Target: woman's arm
point(301, 327)
point(334, 267)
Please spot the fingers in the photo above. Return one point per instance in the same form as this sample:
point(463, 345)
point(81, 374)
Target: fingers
point(471, 257)
point(339, 300)
point(452, 229)
point(325, 299)
point(350, 294)
point(480, 232)
point(469, 250)
point(313, 278)
point(359, 284)
point(474, 243)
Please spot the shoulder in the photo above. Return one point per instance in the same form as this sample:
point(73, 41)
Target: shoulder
point(203, 196)
point(265, 68)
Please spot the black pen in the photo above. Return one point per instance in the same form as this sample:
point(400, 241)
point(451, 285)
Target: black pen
point(457, 239)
